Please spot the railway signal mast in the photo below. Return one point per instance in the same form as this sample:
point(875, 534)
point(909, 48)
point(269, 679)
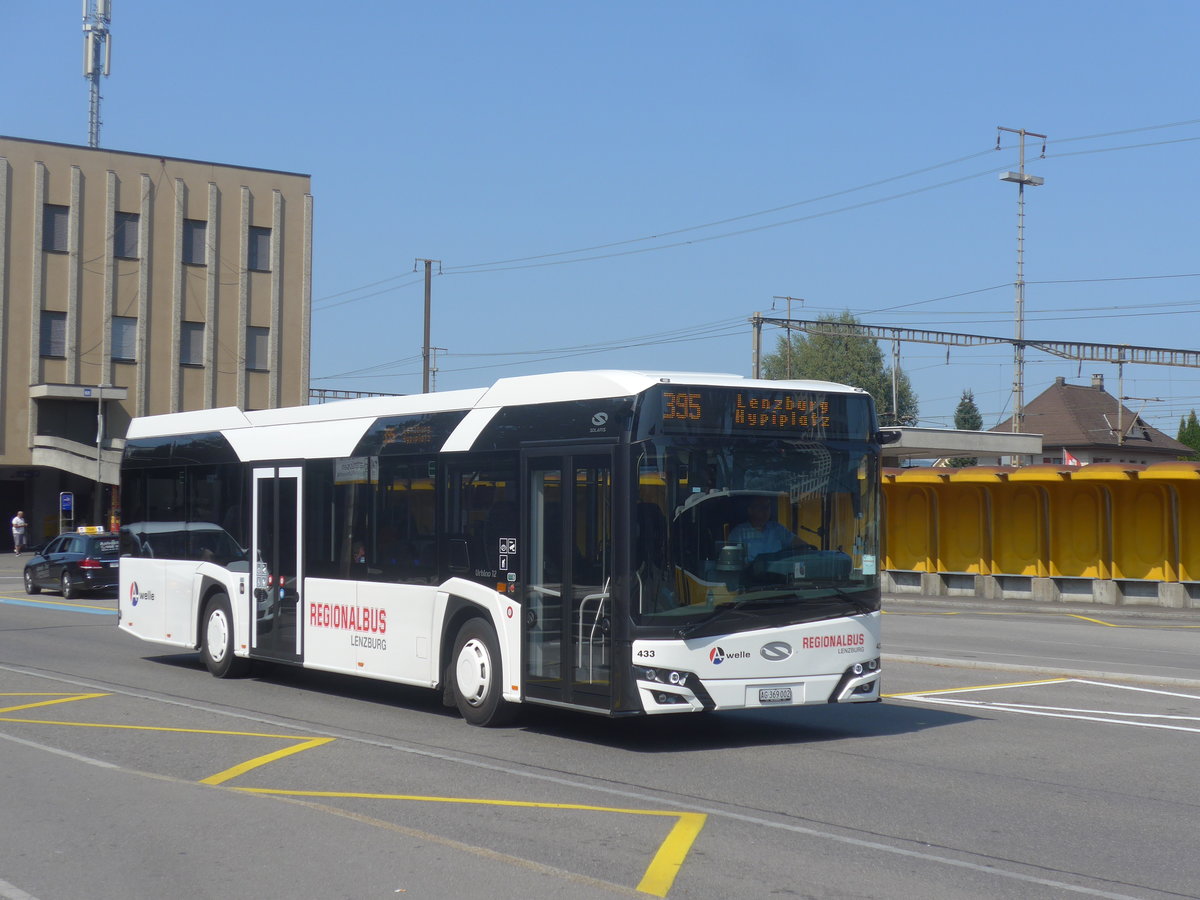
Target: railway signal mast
point(1020, 179)
point(97, 58)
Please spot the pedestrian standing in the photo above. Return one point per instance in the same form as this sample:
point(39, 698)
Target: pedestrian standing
point(18, 527)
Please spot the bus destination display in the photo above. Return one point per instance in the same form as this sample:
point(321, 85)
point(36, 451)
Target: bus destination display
point(742, 411)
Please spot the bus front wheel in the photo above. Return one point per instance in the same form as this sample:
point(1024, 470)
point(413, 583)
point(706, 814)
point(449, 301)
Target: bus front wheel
point(216, 639)
point(474, 675)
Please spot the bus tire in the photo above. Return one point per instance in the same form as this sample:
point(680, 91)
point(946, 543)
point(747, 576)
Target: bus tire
point(216, 639)
point(475, 673)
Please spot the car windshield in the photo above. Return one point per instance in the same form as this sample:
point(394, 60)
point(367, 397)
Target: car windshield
point(754, 532)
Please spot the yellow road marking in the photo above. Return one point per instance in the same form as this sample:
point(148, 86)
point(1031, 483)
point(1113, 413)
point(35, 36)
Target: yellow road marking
point(656, 880)
point(979, 687)
point(659, 875)
point(1109, 624)
point(62, 698)
point(661, 872)
point(166, 728)
point(242, 768)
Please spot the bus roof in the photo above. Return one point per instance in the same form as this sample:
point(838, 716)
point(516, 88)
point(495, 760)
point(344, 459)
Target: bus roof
point(309, 424)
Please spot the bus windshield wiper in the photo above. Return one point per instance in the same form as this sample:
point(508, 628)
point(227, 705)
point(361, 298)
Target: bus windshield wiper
point(722, 611)
point(850, 597)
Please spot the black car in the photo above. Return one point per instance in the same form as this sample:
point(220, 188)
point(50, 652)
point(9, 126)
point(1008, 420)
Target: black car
point(74, 563)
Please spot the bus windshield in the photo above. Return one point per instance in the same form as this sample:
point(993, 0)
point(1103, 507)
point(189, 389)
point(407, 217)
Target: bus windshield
point(779, 530)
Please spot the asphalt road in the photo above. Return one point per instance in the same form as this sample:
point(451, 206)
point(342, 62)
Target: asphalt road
point(1153, 646)
point(129, 772)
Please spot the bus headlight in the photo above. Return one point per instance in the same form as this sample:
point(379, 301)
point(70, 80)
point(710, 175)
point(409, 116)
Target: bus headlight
point(871, 665)
point(663, 676)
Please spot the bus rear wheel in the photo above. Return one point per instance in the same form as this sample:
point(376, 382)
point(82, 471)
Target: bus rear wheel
point(474, 675)
point(216, 639)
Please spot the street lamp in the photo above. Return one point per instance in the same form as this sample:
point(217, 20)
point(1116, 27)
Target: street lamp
point(98, 506)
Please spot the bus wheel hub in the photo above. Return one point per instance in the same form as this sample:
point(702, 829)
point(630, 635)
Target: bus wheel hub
point(473, 671)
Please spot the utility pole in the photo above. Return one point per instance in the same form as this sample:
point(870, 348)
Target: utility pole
point(97, 58)
point(756, 322)
point(425, 348)
point(1020, 179)
point(789, 331)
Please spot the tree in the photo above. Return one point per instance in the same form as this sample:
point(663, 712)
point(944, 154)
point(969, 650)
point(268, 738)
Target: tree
point(1189, 433)
point(967, 417)
point(847, 359)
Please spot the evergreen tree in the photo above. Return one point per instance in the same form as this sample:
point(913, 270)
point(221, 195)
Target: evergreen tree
point(1189, 433)
point(848, 359)
point(967, 417)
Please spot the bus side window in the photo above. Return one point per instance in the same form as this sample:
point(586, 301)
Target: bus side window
point(481, 511)
point(405, 542)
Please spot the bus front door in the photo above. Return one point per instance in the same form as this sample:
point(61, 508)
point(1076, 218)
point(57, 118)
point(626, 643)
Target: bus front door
point(275, 549)
point(568, 646)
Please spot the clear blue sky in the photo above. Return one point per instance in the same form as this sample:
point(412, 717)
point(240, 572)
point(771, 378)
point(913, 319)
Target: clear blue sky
point(837, 152)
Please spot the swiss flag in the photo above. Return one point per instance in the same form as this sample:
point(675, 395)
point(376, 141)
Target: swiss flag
point(1070, 460)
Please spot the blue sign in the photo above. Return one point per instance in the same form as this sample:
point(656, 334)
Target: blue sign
point(66, 501)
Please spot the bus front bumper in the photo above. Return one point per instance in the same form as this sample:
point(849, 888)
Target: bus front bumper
point(674, 691)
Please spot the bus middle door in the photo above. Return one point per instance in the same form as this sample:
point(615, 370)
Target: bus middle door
point(568, 513)
point(275, 553)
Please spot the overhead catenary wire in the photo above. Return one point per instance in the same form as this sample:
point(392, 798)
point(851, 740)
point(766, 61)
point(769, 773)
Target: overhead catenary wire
point(556, 257)
point(706, 331)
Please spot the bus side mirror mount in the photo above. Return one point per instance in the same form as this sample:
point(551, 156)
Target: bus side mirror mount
point(888, 436)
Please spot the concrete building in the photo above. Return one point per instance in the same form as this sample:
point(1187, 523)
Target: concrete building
point(131, 285)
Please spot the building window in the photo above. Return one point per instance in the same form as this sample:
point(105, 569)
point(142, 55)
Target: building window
point(54, 334)
point(258, 251)
point(191, 344)
point(256, 348)
point(124, 338)
point(194, 233)
point(125, 235)
point(54, 227)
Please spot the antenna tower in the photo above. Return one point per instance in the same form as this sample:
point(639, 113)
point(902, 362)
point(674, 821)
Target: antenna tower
point(97, 58)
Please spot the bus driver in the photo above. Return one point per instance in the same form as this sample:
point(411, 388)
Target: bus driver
point(761, 534)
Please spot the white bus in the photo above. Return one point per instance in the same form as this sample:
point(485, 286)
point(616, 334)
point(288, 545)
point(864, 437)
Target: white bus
point(622, 543)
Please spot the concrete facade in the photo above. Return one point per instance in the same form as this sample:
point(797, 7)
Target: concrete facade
point(130, 285)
